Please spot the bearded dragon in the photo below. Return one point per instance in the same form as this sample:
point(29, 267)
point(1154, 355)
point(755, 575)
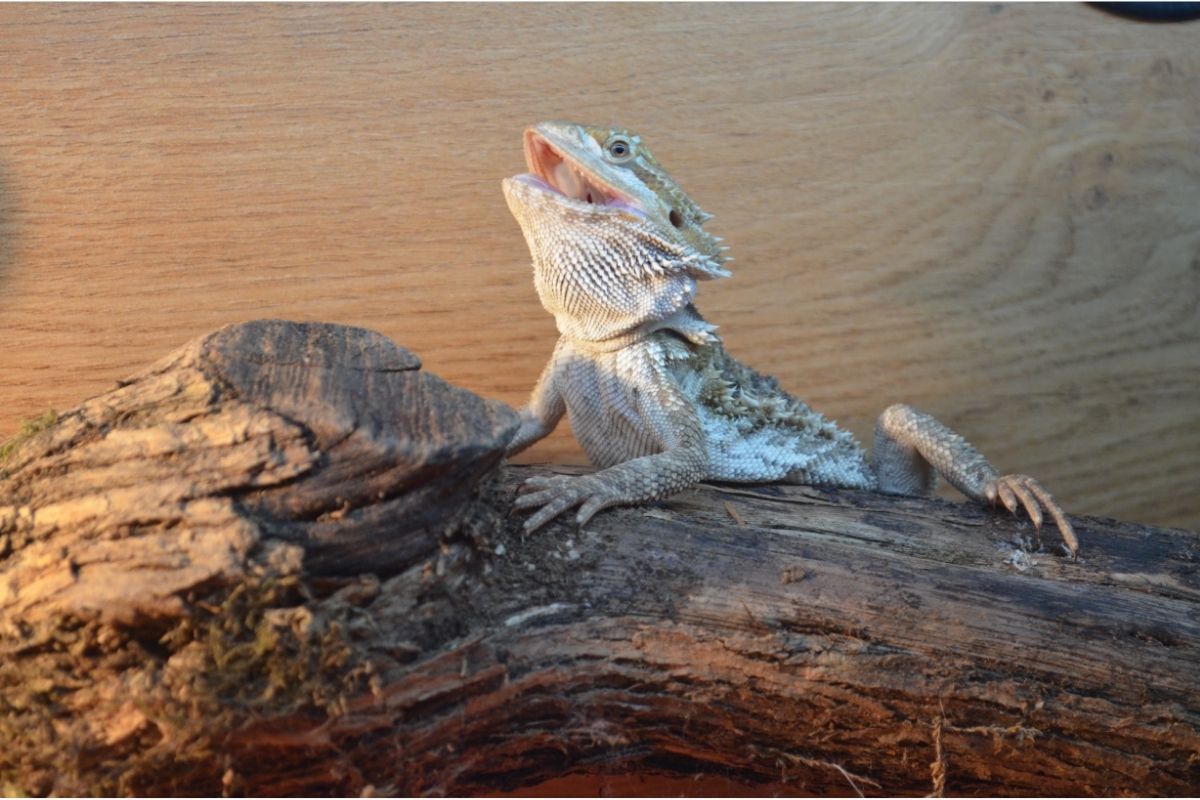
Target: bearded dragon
point(653, 398)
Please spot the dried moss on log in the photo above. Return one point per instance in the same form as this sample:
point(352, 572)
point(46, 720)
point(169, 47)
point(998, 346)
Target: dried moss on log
point(178, 616)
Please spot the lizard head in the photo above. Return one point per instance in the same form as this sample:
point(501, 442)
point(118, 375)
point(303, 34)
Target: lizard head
point(596, 176)
point(617, 246)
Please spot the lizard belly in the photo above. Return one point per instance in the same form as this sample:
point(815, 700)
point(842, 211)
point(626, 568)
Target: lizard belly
point(602, 390)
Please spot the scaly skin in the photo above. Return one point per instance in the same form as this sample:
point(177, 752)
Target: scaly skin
point(652, 396)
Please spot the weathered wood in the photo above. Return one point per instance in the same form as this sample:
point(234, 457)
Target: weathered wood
point(790, 639)
point(323, 440)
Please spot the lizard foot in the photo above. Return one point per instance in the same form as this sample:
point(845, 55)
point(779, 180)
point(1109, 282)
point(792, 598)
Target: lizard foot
point(557, 493)
point(1021, 490)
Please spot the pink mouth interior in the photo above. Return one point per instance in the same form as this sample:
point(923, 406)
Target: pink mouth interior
point(566, 178)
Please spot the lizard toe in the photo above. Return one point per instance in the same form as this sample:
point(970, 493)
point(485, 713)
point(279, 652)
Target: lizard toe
point(1006, 495)
point(1021, 490)
point(558, 493)
point(1037, 503)
point(541, 482)
point(594, 504)
point(549, 511)
point(533, 499)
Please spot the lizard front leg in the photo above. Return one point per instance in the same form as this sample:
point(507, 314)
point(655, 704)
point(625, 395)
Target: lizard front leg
point(544, 410)
point(672, 420)
point(910, 444)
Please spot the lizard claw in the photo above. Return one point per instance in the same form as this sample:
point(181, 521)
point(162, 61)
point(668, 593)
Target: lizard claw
point(557, 493)
point(1016, 491)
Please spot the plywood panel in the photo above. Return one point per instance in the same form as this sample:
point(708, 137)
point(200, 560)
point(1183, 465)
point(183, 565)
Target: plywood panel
point(991, 212)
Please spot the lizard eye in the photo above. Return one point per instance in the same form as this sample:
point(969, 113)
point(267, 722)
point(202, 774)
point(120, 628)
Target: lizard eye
point(619, 149)
point(676, 218)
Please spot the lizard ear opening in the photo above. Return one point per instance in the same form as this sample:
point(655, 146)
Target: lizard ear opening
point(676, 218)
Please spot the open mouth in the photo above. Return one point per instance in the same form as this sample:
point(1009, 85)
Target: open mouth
point(563, 176)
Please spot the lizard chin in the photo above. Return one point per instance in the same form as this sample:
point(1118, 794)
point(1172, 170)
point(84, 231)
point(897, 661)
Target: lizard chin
point(586, 198)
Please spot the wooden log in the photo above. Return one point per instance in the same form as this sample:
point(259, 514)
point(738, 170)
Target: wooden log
point(177, 618)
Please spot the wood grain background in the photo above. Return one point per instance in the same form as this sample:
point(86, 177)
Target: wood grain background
point(989, 211)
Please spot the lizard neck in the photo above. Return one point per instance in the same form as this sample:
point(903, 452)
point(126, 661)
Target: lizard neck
point(602, 303)
point(685, 323)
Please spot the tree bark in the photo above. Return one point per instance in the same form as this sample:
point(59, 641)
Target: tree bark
point(281, 562)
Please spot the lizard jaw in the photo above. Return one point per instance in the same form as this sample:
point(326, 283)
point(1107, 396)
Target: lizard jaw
point(553, 172)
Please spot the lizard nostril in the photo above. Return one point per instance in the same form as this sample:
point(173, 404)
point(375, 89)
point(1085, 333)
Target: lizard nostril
point(676, 218)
